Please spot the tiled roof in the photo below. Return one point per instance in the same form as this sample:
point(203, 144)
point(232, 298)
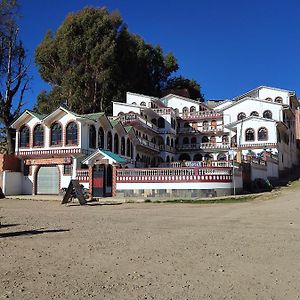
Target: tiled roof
point(114, 156)
point(92, 116)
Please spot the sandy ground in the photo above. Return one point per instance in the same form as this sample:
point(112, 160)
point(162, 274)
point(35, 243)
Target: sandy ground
point(151, 251)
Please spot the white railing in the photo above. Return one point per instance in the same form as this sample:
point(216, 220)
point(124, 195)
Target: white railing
point(200, 129)
point(163, 111)
point(200, 115)
point(203, 146)
point(201, 164)
point(146, 143)
point(82, 175)
point(133, 118)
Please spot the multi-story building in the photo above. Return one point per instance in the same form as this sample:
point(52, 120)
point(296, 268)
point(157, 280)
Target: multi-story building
point(162, 134)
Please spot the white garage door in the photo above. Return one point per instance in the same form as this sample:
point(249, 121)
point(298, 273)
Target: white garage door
point(48, 180)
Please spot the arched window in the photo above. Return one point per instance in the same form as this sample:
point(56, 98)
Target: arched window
point(109, 141)
point(71, 134)
point(128, 147)
point(241, 116)
point(133, 103)
point(267, 114)
point(269, 99)
point(198, 157)
point(225, 139)
point(193, 140)
point(92, 137)
point(213, 124)
point(122, 145)
point(254, 113)
point(56, 134)
point(168, 159)
point(143, 103)
point(120, 114)
point(100, 138)
point(24, 137)
point(116, 143)
point(38, 136)
point(262, 134)
point(249, 134)
point(168, 141)
point(154, 121)
point(186, 141)
point(278, 100)
point(185, 110)
point(161, 122)
point(221, 156)
point(176, 111)
point(213, 139)
point(205, 125)
point(192, 109)
point(205, 139)
point(172, 143)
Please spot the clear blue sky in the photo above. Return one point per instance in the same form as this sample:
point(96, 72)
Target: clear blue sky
point(229, 46)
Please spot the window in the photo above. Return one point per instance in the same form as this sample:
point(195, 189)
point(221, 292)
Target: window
point(254, 113)
point(249, 134)
point(122, 145)
point(241, 116)
point(143, 103)
point(269, 99)
point(38, 136)
point(133, 103)
point(205, 139)
point(26, 170)
point(92, 137)
point(192, 109)
point(278, 100)
point(100, 138)
point(67, 169)
point(213, 124)
point(24, 137)
point(185, 110)
point(116, 143)
point(71, 135)
point(186, 141)
point(205, 125)
point(267, 114)
point(56, 134)
point(186, 125)
point(221, 156)
point(225, 139)
point(213, 139)
point(262, 134)
point(161, 122)
point(168, 141)
point(128, 147)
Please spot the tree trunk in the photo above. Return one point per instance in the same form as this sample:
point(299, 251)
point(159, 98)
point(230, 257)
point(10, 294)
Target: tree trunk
point(10, 139)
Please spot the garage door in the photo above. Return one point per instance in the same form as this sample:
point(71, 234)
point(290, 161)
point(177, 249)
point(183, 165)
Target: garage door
point(48, 180)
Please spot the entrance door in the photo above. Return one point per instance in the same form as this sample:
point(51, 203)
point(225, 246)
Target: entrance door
point(108, 181)
point(48, 180)
point(98, 180)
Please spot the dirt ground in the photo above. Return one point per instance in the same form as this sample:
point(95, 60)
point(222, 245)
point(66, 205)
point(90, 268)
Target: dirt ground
point(151, 251)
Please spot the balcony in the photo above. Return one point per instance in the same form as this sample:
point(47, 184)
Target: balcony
point(163, 111)
point(135, 119)
point(147, 144)
point(166, 148)
point(203, 146)
point(199, 115)
point(202, 129)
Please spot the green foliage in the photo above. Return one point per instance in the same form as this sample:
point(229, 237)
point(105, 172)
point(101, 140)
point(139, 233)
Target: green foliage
point(92, 60)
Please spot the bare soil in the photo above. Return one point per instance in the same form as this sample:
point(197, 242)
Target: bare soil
point(248, 250)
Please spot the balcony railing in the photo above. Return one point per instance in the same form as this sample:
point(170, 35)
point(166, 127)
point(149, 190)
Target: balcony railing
point(166, 148)
point(201, 129)
point(203, 146)
point(163, 111)
point(200, 115)
point(148, 144)
point(135, 118)
point(201, 164)
point(82, 175)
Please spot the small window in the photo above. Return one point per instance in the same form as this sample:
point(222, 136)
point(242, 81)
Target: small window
point(192, 109)
point(205, 139)
point(278, 100)
point(143, 103)
point(67, 169)
point(56, 134)
point(205, 125)
point(267, 114)
point(213, 139)
point(71, 134)
point(24, 137)
point(185, 110)
point(269, 99)
point(262, 134)
point(249, 135)
point(254, 113)
point(92, 137)
point(38, 136)
point(241, 116)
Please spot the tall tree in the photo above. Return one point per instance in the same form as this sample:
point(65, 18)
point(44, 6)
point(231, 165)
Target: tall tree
point(92, 60)
point(13, 71)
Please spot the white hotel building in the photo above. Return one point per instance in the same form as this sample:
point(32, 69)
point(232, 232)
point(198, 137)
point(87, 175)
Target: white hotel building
point(172, 146)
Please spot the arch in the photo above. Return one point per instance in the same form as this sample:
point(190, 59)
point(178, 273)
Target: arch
point(221, 156)
point(116, 143)
point(267, 114)
point(205, 125)
point(262, 134)
point(38, 136)
point(92, 137)
point(24, 136)
point(213, 124)
point(133, 103)
point(168, 159)
point(100, 137)
point(168, 141)
point(186, 141)
point(192, 109)
point(213, 139)
point(161, 122)
point(185, 110)
point(204, 139)
point(172, 159)
point(172, 143)
point(55, 134)
point(109, 141)
point(143, 103)
point(254, 113)
point(198, 157)
point(123, 145)
point(269, 99)
point(71, 134)
point(184, 156)
point(225, 139)
point(249, 135)
point(120, 114)
point(241, 116)
point(176, 111)
point(278, 100)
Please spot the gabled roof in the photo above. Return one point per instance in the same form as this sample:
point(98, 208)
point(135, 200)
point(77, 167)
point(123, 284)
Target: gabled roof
point(233, 124)
point(23, 115)
point(104, 154)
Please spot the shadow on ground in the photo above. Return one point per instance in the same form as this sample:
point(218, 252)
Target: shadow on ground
point(8, 225)
point(31, 232)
